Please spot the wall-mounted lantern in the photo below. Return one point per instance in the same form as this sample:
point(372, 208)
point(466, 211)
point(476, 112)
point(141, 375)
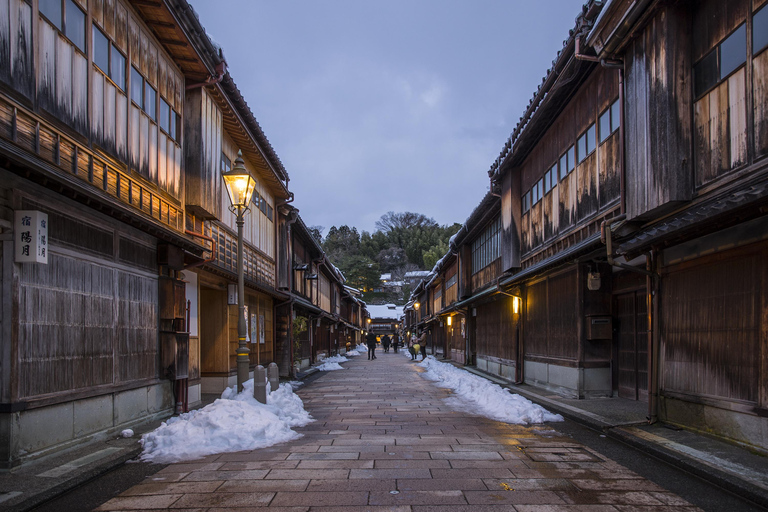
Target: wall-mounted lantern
point(449, 321)
point(516, 303)
point(416, 306)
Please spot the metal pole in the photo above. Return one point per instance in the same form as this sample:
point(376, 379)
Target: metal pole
point(243, 360)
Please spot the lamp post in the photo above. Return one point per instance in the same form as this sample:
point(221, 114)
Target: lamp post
point(240, 185)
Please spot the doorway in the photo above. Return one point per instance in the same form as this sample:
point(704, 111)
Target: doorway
point(630, 357)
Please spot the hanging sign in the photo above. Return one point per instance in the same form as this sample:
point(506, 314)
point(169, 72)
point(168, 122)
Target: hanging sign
point(30, 236)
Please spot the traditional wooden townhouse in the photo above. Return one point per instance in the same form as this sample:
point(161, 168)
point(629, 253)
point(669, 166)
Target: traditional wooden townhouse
point(627, 256)
point(115, 118)
point(312, 323)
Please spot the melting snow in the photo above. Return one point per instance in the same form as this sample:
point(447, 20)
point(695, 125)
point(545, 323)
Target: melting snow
point(233, 423)
point(477, 395)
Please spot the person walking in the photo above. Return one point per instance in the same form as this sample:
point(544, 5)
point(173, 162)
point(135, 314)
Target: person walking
point(395, 341)
point(412, 347)
point(370, 340)
point(423, 344)
point(385, 342)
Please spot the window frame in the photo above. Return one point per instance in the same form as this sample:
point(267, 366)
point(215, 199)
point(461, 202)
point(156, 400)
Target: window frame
point(716, 51)
point(111, 50)
point(62, 25)
point(613, 123)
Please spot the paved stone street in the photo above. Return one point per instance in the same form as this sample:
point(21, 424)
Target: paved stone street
point(384, 440)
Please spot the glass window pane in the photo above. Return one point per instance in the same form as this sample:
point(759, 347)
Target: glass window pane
point(581, 146)
point(563, 166)
point(605, 125)
point(615, 116)
point(51, 9)
point(760, 30)
point(591, 139)
point(165, 116)
point(75, 25)
point(100, 50)
point(705, 74)
point(571, 159)
point(530, 197)
point(733, 51)
point(117, 68)
point(137, 87)
point(150, 101)
point(553, 172)
point(174, 125)
point(547, 182)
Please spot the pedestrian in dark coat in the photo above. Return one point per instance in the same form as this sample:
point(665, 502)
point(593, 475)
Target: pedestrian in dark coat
point(395, 341)
point(385, 342)
point(370, 340)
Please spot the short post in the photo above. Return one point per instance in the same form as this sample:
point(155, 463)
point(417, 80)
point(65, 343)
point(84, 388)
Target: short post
point(273, 375)
point(260, 384)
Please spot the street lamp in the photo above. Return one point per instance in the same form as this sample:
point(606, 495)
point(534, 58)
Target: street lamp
point(240, 185)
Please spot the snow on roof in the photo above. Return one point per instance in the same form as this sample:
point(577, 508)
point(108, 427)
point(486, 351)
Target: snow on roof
point(385, 277)
point(392, 284)
point(386, 311)
point(416, 273)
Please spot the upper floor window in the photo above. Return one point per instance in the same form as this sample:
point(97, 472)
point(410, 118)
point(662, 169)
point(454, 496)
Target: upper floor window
point(725, 58)
point(760, 30)
point(108, 58)
point(68, 18)
point(526, 201)
point(143, 94)
point(487, 247)
point(586, 143)
point(550, 179)
point(226, 163)
point(609, 121)
point(567, 162)
point(451, 281)
point(168, 119)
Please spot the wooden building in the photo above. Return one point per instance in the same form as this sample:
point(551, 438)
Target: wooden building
point(320, 315)
point(116, 119)
point(621, 251)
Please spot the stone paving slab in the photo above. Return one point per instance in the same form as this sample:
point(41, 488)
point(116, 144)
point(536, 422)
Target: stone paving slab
point(385, 440)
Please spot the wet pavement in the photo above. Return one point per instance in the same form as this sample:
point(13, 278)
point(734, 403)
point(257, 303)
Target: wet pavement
point(385, 440)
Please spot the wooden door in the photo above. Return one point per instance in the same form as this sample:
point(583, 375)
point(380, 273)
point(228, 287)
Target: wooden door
point(631, 345)
point(214, 341)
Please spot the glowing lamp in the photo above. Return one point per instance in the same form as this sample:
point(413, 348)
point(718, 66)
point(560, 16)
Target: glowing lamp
point(516, 301)
point(450, 320)
point(240, 183)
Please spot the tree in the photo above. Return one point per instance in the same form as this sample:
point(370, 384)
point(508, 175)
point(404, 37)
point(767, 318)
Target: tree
point(317, 233)
point(361, 272)
point(392, 221)
point(391, 258)
point(434, 253)
point(341, 242)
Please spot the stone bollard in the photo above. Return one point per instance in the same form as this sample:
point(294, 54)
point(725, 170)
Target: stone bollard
point(273, 376)
point(260, 384)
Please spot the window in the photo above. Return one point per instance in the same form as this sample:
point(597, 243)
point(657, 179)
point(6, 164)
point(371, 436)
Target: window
point(269, 212)
point(487, 247)
point(581, 147)
point(67, 17)
point(609, 121)
point(723, 60)
point(108, 58)
point(226, 163)
point(760, 30)
point(526, 202)
point(451, 281)
point(150, 101)
point(165, 116)
point(591, 138)
point(117, 68)
point(539, 187)
point(263, 206)
point(567, 162)
point(74, 25)
point(137, 87)
point(586, 143)
point(175, 120)
point(550, 179)
point(255, 199)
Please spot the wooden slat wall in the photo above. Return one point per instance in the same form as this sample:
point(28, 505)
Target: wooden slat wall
point(16, 46)
point(205, 192)
point(658, 120)
point(495, 332)
point(712, 325)
point(760, 80)
point(551, 314)
point(592, 187)
point(214, 345)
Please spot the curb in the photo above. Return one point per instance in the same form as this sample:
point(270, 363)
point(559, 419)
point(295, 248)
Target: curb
point(76, 481)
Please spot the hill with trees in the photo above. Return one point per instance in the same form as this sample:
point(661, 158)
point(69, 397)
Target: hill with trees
point(401, 242)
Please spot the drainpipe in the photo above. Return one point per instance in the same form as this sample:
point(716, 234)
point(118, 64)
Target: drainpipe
point(221, 70)
point(213, 249)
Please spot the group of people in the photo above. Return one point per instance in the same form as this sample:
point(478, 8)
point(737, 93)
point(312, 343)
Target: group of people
point(386, 342)
point(416, 345)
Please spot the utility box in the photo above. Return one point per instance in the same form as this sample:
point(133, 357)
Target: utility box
point(599, 327)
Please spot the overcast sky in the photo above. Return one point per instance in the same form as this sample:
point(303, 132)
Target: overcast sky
point(397, 105)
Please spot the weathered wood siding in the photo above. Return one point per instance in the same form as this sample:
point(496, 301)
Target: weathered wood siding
point(713, 323)
point(16, 46)
point(87, 319)
point(552, 309)
point(203, 151)
point(511, 221)
point(591, 187)
point(658, 114)
point(496, 331)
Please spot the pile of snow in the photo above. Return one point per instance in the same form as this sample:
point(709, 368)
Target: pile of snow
point(477, 395)
point(332, 363)
point(352, 353)
point(362, 347)
point(126, 433)
point(233, 423)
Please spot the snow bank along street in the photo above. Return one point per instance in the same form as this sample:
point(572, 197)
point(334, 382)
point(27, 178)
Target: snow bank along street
point(384, 436)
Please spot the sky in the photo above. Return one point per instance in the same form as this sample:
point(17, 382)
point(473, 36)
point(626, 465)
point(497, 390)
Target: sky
point(396, 105)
